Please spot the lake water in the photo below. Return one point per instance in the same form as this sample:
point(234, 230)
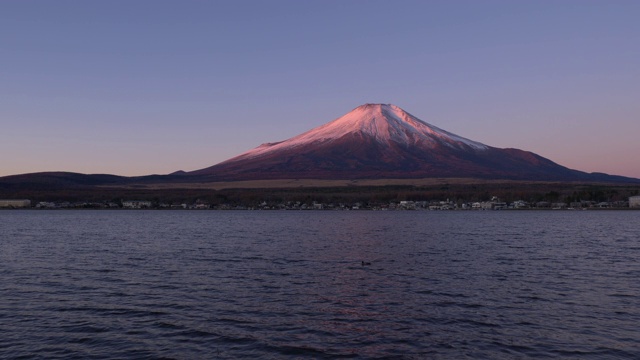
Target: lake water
point(291, 284)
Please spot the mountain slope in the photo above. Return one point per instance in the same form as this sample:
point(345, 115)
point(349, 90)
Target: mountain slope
point(374, 141)
point(384, 141)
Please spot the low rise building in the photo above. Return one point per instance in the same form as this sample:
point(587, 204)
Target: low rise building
point(15, 203)
point(634, 202)
point(520, 204)
point(46, 205)
point(136, 204)
point(500, 205)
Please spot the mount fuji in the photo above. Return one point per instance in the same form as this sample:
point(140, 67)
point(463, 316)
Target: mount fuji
point(384, 141)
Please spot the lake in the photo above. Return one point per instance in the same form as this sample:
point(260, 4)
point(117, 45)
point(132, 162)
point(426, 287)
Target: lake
point(292, 284)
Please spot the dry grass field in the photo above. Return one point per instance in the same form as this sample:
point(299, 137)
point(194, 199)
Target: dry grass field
point(316, 183)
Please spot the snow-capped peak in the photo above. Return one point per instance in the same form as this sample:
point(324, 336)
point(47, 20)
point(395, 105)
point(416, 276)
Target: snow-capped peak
point(383, 122)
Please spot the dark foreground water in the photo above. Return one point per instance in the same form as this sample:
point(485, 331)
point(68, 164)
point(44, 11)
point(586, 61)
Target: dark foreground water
point(283, 284)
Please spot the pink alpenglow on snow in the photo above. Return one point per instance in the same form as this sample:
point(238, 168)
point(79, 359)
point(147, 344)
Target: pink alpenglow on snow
point(384, 141)
point(383, 122)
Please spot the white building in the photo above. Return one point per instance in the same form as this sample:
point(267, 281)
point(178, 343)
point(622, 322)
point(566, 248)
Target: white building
point(486, 205)
point(46, 205)
point(408, 205)
point(520, 204)
point(135, 204)
point(15, 203)
point(634, 201)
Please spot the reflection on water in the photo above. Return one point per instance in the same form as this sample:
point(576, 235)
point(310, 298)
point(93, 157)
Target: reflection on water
point(121, 284)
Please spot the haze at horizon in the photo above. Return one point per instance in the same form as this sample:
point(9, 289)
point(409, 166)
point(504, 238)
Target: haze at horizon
point(135, 88)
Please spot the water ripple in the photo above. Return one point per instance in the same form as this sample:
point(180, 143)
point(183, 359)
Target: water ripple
point(227, 285)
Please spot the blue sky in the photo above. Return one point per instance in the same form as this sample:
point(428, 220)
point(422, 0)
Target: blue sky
point(142, 87)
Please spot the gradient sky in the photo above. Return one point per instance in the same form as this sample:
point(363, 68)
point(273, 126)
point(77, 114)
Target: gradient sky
point(140, 87)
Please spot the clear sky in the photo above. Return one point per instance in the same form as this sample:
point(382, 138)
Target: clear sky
point(149, 86)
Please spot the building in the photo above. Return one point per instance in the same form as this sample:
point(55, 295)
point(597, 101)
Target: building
point(15, 203)
point(135, 204)
point(499, 205)
point(520, 204)
point(634, 202)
